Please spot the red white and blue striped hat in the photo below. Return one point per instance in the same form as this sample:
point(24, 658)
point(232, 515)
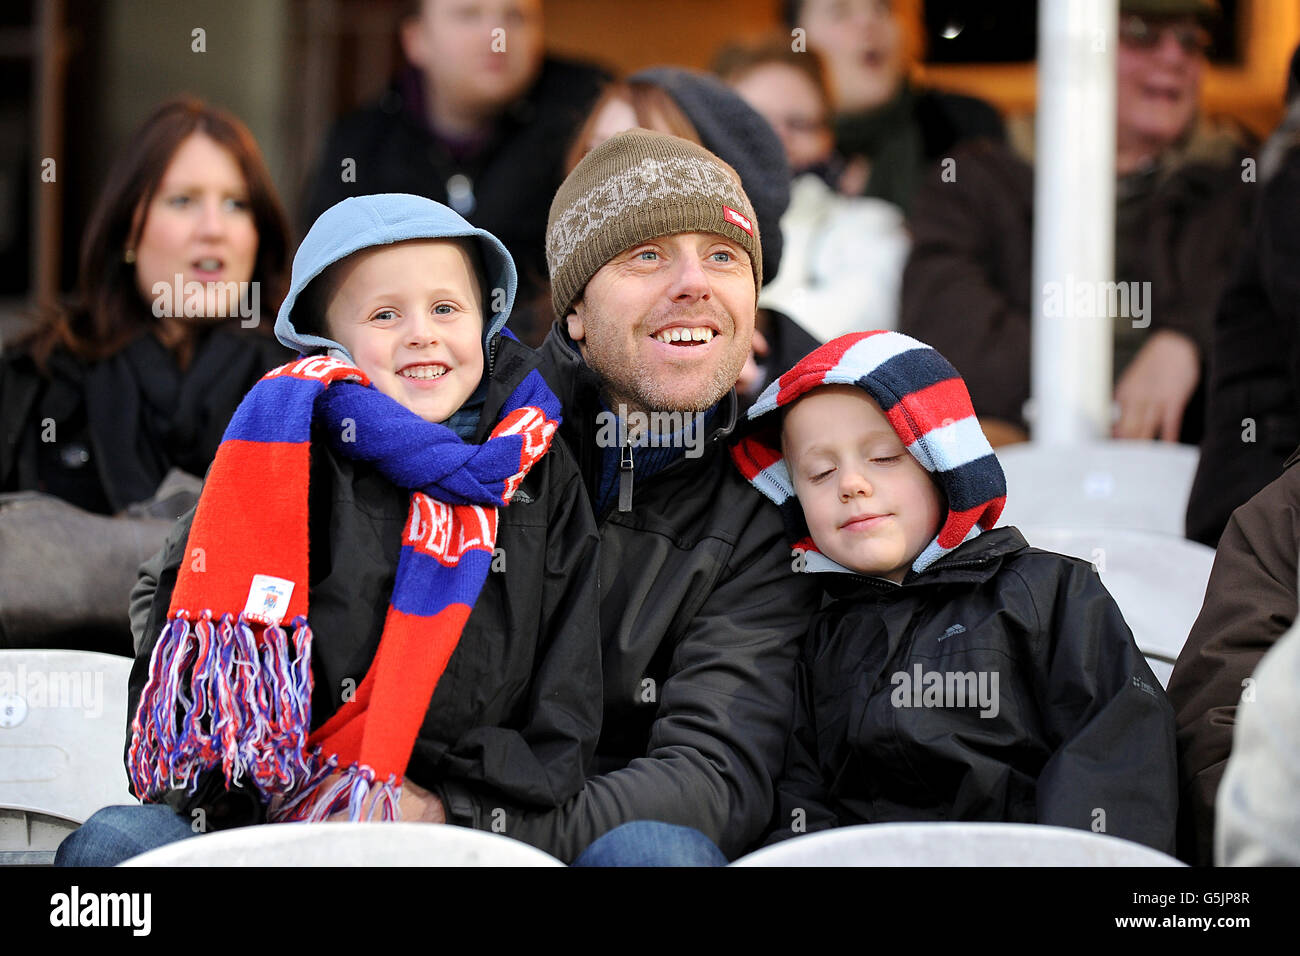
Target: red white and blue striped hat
point(926, 402)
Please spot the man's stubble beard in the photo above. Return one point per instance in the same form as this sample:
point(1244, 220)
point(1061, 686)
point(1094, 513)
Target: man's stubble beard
point(626, 382)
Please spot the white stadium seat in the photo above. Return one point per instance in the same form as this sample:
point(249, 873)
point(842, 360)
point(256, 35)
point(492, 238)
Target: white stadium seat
point(62, 735)
point(956, 844)
point(347, 844)
point(1157, 580)
point(1135, 485)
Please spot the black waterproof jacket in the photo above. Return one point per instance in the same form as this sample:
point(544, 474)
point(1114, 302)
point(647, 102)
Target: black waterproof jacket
point(517, 711)
point(700, 616)
point(103, 435)
point(1076, 732)
point(1253, 384)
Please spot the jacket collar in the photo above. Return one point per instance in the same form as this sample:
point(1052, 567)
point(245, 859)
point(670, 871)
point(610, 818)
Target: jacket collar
point(510, 361)
point(973, 562)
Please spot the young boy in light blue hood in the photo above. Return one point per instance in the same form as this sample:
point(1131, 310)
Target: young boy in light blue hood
point(394, 500)
point(357, 268)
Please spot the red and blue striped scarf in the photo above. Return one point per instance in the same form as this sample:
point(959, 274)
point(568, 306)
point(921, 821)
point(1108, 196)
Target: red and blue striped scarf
point(228, 687)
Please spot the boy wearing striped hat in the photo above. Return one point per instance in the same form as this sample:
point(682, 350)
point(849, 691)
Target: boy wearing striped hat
point(954, 672)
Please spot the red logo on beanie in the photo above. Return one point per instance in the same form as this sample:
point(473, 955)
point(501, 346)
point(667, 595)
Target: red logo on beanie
point(736, 219)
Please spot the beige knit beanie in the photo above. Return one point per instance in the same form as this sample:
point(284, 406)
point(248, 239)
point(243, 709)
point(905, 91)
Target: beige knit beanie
point(638, 186)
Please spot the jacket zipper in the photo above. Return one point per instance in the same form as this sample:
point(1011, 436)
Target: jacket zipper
point(625, 478)
point(590, 456)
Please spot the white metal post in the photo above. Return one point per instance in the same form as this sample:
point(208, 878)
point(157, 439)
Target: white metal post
point(1074, 220)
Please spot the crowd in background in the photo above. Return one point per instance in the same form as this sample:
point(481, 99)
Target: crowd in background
point(112, 413)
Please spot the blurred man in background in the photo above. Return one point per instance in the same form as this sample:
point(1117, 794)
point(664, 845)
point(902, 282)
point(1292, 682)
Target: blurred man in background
point(1180, 210)
point(479, 119)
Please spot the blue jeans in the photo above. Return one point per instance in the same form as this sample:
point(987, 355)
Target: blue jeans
point(115, 834)
point(651, 843)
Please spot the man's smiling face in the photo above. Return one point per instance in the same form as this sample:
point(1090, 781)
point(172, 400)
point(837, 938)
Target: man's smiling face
point(667, 323)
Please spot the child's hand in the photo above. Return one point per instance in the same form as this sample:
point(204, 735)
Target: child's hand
point(419, 805)
point(416, 805)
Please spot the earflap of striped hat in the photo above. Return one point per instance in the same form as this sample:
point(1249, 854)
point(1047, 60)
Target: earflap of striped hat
point(929, 407)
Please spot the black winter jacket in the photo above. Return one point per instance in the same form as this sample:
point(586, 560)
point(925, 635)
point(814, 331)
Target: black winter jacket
point(701, 615)
point(118, 425)
point(517, 710)
point(1253, 391)
point(1078, 731)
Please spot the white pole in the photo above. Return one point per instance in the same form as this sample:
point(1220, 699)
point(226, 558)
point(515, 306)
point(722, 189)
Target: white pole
point(1074, 220)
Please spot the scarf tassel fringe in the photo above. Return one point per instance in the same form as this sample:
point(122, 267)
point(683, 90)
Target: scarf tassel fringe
point(353, 791)
point(217, 695)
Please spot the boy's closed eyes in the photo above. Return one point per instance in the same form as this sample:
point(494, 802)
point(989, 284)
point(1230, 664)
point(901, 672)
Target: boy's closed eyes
point(869, 504)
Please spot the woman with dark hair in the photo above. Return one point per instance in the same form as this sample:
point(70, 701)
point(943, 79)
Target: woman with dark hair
point(185, 252)
point(101, 400)
point(625, 104)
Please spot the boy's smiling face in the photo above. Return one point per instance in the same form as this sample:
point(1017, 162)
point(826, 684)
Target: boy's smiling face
point(411, 315)
point(869, 504)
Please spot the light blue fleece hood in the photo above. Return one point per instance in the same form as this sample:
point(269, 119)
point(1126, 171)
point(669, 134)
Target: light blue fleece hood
point(361, 222)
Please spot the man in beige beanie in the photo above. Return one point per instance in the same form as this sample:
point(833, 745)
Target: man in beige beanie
point(655, 264)
point(644, 206)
